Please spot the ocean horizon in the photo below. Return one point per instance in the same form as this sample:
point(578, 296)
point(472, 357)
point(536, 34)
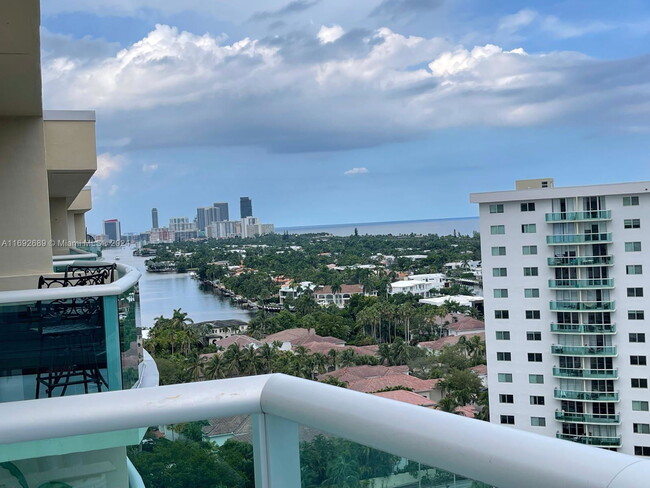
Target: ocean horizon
point(446, 226)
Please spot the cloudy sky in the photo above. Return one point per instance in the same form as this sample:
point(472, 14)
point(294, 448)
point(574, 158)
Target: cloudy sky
point(332, 111)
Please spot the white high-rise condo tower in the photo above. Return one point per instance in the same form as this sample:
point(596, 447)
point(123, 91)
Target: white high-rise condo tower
point(565, 310)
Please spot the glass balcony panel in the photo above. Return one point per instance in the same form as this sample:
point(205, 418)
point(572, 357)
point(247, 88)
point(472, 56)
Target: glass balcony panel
point(592, 283)
point(212, 453)
point(605, 374)
point(328, 461)
point(131, 354)
point(583, 350)
point(52, 348)
point(591, 440)
point(581, 261)
point(579, 216)
point(583, 306)
point(587, 418)
point(586, 396)
point(583, 328)
point(579, 238)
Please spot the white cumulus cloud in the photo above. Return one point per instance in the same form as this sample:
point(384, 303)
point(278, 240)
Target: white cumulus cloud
point(295, 93)
point(107, 165)
point(330, 34)
point(356, 171)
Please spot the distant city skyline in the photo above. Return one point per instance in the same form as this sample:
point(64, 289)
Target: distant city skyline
point(365, 111)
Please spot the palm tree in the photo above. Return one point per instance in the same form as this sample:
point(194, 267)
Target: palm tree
point(336, 288)
point(215, 368)
point(251, 362)
point(267, 355)
point(234, 359)
point(194, 367)
point(447, 404)
point(332, 355)
point(385, 354)
point(347, 358)
point(319, 363)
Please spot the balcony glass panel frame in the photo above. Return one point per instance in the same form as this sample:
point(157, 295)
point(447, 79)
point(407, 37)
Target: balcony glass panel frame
point(569, 261)
point(582, 306)
point(564, 239)
point(564, 350)
point(587, 396)
point(584, 373)
point(586, 216)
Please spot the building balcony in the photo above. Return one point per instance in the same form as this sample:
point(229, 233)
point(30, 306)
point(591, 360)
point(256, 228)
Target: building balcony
point(592, 283)
point(583, 306)
point(562, 261)
point(564, 239)
point(592, 440)
point(595, 374)
point(561, 350)
point(586, 396)
point(584, 328)
point(587, 418)
point(279, 405)
point(589, 216)
point(76, 336)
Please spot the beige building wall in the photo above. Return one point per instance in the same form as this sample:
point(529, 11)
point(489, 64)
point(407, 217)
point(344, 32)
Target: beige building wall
point(80, 227)
point(59, 225)
point(24, 201)
point(70, 145)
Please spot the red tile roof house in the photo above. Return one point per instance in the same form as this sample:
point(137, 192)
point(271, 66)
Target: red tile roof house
point(354, 373)
point(324, 296)
point(407, 397)
point(242, 340)
point(427, 388)
point(459, 324)
point(438, 344)
point(292, 338)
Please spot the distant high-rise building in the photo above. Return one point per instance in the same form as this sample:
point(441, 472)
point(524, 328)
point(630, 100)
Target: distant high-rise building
point(203, 217)
point(154, 218)
point(223, 211)
point(112, 230)
point(245, 207)
point(179, 224)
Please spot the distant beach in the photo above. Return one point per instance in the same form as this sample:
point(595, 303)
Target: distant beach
point(462, 225)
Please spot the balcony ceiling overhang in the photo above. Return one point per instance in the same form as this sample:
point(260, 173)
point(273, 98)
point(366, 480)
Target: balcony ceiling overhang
point(20, 57)
point(67, 184)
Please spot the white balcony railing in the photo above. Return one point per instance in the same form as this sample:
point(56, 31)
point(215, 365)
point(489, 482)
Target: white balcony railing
point(500, 456)
point(127, 277)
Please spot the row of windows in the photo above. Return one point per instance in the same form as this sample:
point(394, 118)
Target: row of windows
point(630, 269)
point(500, 229)
point(534, 292)
point(525, 207)
point(496, 208)
point(509, 398)
point(505, 314)
point(539, 378)
point(532, 250)
point(532, 378)
point(528, 271)
point(525, 250)
point(504, 335)
point(534, 421)
point(536, 314)
point(533, 357)
point(496, 230)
